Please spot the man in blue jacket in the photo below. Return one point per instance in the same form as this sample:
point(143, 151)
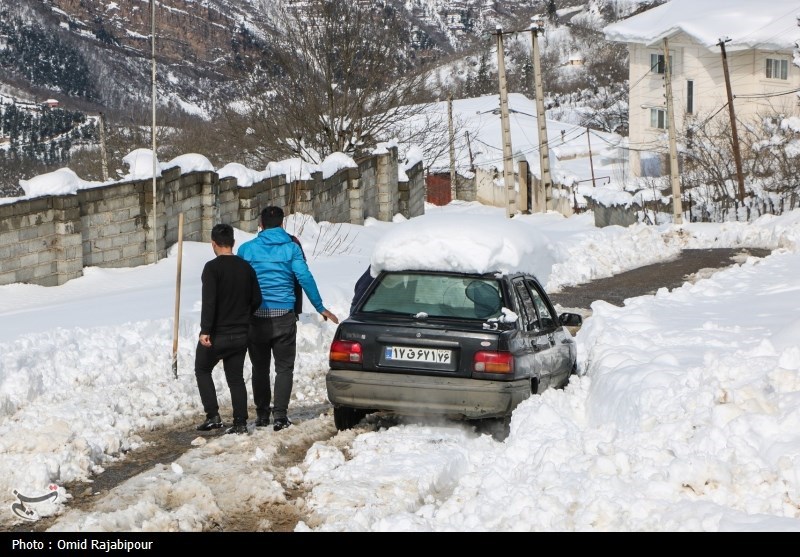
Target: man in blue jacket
point(278, 262)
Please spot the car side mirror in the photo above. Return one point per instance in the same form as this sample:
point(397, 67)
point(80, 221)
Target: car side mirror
point(570, 319)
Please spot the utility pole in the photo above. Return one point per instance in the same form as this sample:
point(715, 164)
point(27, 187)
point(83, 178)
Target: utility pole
point(453, 189)
point(508, 156)
point(103, 155)
point(675, 179)
point(737, 156)
point(546, 184)
point(153, 129)
point(469, 148)
point(591, 162)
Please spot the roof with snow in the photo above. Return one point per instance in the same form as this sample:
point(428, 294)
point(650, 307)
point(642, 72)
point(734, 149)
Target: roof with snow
point(770, 25)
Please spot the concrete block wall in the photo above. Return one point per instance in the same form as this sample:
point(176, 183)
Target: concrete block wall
point(366, 189)
point(612, 215)
point(412, 193)
point(386, 180)
point(272, 191)
point(67, 242)
point(466, 188)
point(40, 241)
point(186, 194)
point(302, 194)
point(48, 240)
point(355, 198)
point(222, 205)
point(331, 197)
point(114, 228)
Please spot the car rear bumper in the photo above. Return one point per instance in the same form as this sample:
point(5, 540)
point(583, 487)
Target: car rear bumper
point(454, 397)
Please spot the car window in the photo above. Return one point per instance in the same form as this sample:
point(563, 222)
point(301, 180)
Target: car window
point(527, 309)
point(546, 315)
point(435, 295)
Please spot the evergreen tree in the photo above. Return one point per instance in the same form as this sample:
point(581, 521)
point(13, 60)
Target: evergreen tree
point(43, 58)
point(552, 11)
point(483, 81)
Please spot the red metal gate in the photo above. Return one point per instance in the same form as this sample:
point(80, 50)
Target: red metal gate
point(438, 189)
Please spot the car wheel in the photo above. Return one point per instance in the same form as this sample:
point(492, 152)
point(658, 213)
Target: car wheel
point(565, 382)
point(345, 417)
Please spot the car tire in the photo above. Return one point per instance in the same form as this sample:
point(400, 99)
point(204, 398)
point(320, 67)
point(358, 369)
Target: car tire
point(345, 417)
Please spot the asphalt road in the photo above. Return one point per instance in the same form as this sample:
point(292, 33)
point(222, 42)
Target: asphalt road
point(691, 264)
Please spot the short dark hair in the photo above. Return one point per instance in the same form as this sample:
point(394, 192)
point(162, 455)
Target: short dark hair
point(271, 217)
point(222, 235)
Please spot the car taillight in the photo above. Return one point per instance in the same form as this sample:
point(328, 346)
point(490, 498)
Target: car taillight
point(493, 362)
point(345, 351)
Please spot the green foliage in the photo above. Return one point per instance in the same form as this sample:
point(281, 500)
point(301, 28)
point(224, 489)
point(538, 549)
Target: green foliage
point(40, 140)
point(43, 58)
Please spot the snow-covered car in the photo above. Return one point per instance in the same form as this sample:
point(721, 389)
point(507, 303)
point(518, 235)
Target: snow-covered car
point(464, 346)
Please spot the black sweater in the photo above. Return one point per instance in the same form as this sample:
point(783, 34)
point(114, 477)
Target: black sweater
point(230, 296)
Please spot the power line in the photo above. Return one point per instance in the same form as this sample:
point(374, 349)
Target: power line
point(766, 95)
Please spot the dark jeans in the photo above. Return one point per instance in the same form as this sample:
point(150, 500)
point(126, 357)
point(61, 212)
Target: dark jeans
point(231, 350)
point(272, 337)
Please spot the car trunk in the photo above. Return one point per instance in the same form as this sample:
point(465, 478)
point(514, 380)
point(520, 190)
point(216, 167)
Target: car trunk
point(425, 347)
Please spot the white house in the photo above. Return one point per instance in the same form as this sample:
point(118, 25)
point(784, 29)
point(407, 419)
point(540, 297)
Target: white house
point(759, 39)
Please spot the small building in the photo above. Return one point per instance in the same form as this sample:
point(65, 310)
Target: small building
point(575, 59)
point(50, 103)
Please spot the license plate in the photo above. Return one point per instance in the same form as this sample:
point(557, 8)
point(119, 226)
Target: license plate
point(415, 354)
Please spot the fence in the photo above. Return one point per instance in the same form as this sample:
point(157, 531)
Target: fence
point(49, 240)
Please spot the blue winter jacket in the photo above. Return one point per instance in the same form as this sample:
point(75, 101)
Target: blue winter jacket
point(277, 261)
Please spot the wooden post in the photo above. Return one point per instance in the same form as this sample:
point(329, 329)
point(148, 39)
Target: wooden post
point(737, 156)
point(177, 298)
point(675, 178)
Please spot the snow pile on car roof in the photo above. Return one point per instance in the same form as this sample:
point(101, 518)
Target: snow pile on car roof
point(464, 243)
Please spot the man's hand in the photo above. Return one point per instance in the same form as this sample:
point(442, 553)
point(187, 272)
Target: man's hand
point(328, 315)
point(205, 340)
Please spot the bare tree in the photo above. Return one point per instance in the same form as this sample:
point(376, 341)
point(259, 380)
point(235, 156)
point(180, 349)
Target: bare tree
point(341, 74)
point(770, 162)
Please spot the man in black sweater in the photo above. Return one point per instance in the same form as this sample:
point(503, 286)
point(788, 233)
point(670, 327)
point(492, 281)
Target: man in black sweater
point(230, 296)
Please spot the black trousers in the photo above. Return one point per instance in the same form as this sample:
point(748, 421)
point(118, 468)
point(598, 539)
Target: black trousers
point(231, 350)
point(272, 337)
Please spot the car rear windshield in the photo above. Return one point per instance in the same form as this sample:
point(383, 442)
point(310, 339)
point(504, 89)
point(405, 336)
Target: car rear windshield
point(435, 295)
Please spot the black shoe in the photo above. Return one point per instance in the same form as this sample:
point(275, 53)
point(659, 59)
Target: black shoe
point(237, 428)
point(262, 421)
point(214, 422)
point(281, 423)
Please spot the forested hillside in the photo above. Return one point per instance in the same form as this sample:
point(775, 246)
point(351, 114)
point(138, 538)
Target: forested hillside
point(43, 59)
point(260, 80)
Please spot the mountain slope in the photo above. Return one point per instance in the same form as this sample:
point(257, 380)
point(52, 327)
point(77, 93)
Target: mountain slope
point(94, 56)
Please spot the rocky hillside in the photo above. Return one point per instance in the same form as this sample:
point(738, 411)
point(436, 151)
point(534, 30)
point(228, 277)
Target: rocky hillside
point(94, 56)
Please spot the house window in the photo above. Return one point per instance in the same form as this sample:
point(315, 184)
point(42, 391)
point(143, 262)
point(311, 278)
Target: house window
point(777, 69)
point(657, 62)
point(689, 96)
point(658, 118)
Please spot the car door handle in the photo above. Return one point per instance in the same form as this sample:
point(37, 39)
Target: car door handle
point(536, 347)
